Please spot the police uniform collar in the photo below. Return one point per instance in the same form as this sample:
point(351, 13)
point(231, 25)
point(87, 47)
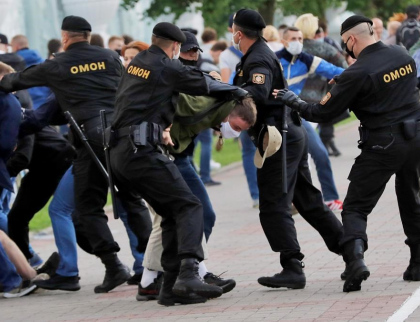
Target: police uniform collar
point(371, 48)
point(156, 50)
point(251, 48)
point(78, 44)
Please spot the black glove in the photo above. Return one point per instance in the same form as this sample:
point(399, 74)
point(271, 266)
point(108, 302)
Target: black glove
point(290, 99)
point(239, 94)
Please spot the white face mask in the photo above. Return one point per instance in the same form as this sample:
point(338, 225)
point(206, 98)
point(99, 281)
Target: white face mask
point(176, 56)
point(235, 45)
point(228, 132)
point(295, 47)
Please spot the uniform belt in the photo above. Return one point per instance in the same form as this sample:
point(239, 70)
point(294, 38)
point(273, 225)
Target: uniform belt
point(396, 128)
point(95, 121)
point(141, 134)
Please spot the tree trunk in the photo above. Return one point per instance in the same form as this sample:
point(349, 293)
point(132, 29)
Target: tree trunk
point(266, 9)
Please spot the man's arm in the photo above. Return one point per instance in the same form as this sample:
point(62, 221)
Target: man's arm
point(259, 83)
point(341, 97)
point(326, 69)
point(36, 75)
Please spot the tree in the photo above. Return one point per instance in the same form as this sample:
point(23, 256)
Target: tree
point(215, 13)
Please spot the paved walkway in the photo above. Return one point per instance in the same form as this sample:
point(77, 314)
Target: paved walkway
point(239, 247)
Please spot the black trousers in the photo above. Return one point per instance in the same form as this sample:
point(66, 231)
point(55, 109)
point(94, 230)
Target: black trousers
point(275, 207)
point(35, 190)
point(159, 182)
point(368, 177)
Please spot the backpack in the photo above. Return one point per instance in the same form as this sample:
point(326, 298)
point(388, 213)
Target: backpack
point(409, 33)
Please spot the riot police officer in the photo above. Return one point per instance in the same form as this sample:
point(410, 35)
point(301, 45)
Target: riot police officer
point(145, 108)
point(84, 79)
point(259, 72)
point(381, 90)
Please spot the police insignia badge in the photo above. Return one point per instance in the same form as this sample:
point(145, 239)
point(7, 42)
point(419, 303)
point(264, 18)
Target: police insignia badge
point(258, 78)
point(325, 99)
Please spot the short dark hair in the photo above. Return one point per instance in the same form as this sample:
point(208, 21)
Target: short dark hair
point(161, 42)
point(97, 40)
point(246, 110)
point(282, 26)
point(412, 11)
point(127, 39)
point(220, 45)
point(53, 46)
point(290, 29)
point(209, 34)
point(79, 34)
point(251, 34)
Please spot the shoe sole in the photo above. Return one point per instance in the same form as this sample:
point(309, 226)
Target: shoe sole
point(149, 297)
point(62, 287)
point(209, 294)
point(27, 291)
point(289, 286)
point(120, 280)
point(191, 299)
point(354, 281)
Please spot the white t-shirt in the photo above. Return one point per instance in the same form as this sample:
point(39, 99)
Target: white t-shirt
point(228, 59)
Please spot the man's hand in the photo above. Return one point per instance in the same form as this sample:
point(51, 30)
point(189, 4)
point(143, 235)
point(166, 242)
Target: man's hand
point(288, 98)
point(166, 136)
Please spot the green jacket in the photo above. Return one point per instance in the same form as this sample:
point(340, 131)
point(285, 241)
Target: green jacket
point(195, 114)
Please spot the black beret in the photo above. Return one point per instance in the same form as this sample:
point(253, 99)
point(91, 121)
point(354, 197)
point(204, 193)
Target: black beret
point(249, 19)
point(168, 31)
point(191, 30)
point(352, 22)
point(74, 23)
point(190, 43)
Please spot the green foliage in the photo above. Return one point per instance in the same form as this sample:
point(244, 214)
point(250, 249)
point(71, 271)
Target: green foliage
point(379, 8)
point(316, 7)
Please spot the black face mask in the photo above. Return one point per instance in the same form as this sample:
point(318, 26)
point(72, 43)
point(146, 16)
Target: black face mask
point(348, 51)
point(188, 62)
point(118, 51)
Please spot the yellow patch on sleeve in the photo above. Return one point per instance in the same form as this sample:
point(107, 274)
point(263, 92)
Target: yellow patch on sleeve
point(325, 99)
point(258, 78)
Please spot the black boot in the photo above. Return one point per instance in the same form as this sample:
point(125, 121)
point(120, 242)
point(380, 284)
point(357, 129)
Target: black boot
point(292, 276)
point(345, 273)
point(58, 282)
point(167, 296)
point(412, 273)
point(227, 285)
point(116, 273)
point(357, 271)
point(50, 266)
point(189, 281)
point(335, 151)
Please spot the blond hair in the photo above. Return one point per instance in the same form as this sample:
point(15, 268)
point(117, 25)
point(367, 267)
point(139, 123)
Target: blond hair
point(308, 24)
point(270, 33)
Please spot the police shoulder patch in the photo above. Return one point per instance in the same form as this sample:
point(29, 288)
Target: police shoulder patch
point(325, 99)
point(258, 78)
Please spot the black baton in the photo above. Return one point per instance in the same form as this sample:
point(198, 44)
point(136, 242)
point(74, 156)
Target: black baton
point(283, 151)
point(113, 188)
point(86, 144)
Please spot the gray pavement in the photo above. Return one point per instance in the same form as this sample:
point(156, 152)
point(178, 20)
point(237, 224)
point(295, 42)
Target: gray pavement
point(239, 247)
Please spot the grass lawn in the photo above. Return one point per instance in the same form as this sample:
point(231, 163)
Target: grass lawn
point(230, 153)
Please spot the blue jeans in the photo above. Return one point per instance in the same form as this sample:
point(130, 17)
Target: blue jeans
point(60, 210)
point(206, 139)
point(9, 277)
point(5, 197)
point(197, 187)
point(138, 257)
point(322, 163)
point(248, 152)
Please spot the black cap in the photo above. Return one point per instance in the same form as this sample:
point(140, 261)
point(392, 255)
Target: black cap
point(168, 31)
point(3, 39)
point(354, 21)
point(191, 30)
point(190, 43)
point(230, 21)
point(75, 23)
point(249, 19)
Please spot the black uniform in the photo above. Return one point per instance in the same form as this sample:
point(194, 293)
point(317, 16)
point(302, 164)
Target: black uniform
point(84, 80)
point(148, 93)
point(381, 90)
point(260, 72)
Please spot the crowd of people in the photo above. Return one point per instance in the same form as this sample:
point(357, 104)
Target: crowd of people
point(265, 86)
